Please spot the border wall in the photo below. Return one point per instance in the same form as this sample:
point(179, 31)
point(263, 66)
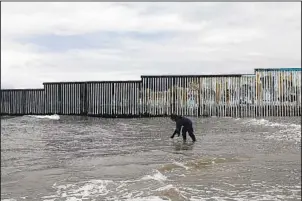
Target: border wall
point(22, 102)
point(268, 92)
point(105, 99)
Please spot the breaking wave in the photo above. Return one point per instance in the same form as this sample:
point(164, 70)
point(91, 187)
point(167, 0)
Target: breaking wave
point(53, 117)
point(197, 164)
point(130, 190)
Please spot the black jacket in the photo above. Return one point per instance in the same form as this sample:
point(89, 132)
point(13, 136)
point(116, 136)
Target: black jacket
point(183, 122)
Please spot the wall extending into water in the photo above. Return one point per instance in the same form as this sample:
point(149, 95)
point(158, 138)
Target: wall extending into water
point(268, 92)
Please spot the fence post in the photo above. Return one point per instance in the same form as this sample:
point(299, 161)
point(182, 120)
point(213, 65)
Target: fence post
point(113, 102)
point(23, 102)
point(60, 98)
point(2, 103)
point(84, 99)
point(240, 96)
point(140, 99)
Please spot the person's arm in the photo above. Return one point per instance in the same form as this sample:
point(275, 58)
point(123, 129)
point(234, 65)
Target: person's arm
point(177, 130)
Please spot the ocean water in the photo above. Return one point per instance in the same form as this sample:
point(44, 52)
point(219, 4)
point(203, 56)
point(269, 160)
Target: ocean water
point(55, 157)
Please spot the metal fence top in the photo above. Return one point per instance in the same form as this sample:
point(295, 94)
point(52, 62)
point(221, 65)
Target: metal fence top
point(190, 76)
point(277, 69)
point(91, 82)
point(3, 90)
point(248, 75)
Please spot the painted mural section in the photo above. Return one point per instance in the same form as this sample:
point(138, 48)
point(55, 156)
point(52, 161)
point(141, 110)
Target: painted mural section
point(279, 87)
point(229, 95)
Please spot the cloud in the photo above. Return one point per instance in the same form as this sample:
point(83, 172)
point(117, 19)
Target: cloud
point(96, 40)
point(46, 41)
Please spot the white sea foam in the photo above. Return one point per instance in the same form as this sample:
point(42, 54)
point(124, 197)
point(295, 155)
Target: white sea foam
point(53, 117)
point(150, 198)
point(265, 122)
point(167, 187)
point(109, 190)
point(94, 189)
point(286, 131)
point(180, 165)
point(79, 191)
point(8, 200)
point(156, 176)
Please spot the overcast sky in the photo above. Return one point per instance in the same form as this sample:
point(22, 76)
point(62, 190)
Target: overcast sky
point(42, 42)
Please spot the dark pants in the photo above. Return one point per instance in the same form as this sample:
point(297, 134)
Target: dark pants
point(190, 132)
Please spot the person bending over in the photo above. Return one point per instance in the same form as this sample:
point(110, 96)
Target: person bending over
point(185, 125)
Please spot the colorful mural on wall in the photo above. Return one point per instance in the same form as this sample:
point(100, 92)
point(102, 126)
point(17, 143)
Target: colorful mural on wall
point(283, 86)
point(265, 87)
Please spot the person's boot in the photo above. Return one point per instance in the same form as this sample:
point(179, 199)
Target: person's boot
point(193, 137)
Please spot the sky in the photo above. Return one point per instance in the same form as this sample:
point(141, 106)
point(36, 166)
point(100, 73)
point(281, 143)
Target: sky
point(94, 41)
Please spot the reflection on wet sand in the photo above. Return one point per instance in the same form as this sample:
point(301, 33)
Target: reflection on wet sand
point(178, 146)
